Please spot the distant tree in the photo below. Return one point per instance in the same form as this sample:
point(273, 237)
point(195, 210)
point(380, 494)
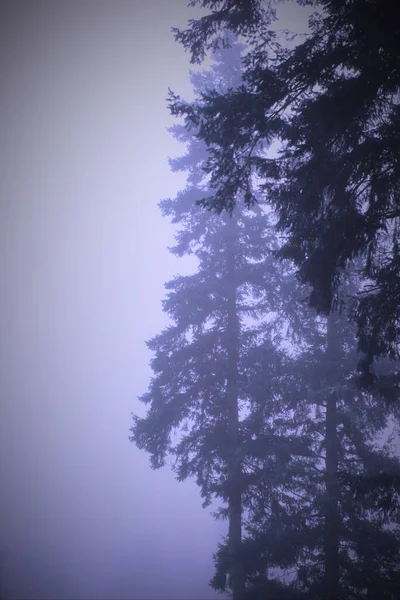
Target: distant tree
point(352, 510)
point(333, 103)
point(278, 432)
point(220, 368)
point(338, 512)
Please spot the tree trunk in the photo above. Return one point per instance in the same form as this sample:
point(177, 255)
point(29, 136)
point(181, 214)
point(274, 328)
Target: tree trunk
point(332, 514)
point(234, 463)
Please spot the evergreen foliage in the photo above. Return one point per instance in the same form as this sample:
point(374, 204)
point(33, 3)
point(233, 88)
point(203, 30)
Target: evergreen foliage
point(332, 102)
point(326, 518)
point(253, 394)
point(223, 384)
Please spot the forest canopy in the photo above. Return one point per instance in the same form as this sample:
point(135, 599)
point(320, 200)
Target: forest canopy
point(331, 101)
point(291, 209)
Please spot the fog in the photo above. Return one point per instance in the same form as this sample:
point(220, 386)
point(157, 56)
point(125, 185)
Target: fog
point(83, 259)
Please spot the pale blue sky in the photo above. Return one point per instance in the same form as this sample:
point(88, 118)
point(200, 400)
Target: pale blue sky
point(83, 260)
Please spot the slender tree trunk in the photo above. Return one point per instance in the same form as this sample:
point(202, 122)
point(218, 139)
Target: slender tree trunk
point(234, 463)
point(332, 514)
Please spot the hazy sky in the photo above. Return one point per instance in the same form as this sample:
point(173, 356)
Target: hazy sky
point(83, 260)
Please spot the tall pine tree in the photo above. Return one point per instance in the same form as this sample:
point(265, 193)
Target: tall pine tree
point(284, 438)
point(220, 366)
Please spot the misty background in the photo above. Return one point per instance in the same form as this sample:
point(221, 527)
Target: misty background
point(83, 260)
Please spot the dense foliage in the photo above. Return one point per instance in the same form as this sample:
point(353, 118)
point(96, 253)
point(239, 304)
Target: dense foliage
point(253, 394)
point(219, 367)
point(332, 103)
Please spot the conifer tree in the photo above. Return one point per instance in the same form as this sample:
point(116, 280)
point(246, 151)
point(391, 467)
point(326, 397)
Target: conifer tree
point(332, 101)
point(283, 438)
point(339, 512)
point(355, 532)
point(219, 368)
